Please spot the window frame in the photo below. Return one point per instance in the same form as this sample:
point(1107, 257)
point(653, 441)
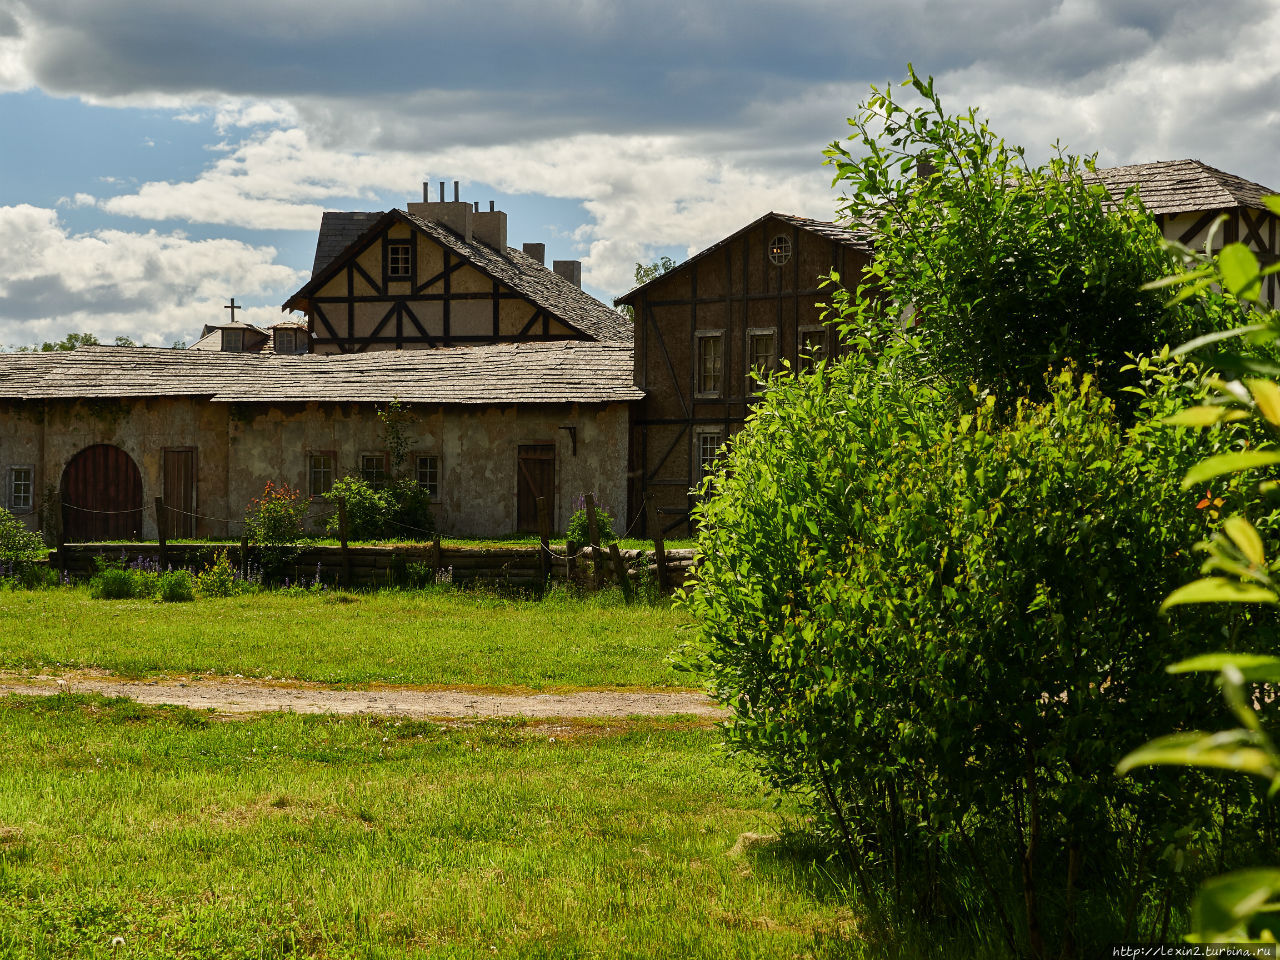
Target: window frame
point(418, 458)
point(700, 390)
point(410, 263)
point(804, 362)
point(779, 249)
point(311, 468)
point(238, 338)
point(701, 466)
point(755, 386)
point(384, 470)
point(11, 488)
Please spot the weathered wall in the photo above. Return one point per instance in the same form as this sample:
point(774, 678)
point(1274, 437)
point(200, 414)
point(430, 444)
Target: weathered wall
point(240, 447)
point(734, 290)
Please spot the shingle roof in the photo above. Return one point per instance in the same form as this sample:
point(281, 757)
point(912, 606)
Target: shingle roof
point(1184, 186)
point(342, 233)
point(565, 371)
point(854, 239)
point(338, 230)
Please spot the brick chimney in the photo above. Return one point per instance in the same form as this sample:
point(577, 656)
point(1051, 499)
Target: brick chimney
point(538, 251)
point(571, 270)
point(457, 215)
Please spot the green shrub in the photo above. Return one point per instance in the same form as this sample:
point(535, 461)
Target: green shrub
point(935, 623)
point(401, 510)
point(579, 530)
point(20, 549)
point(114, 583)
point(275, 524)
point(175, 587)
point(218, 579)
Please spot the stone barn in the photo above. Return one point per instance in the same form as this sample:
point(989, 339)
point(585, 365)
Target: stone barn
point(93, 436)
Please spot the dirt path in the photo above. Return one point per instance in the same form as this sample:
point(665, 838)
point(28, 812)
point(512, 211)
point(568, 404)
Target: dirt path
point(226, 695)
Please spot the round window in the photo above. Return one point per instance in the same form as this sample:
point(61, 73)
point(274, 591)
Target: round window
point(780, 250)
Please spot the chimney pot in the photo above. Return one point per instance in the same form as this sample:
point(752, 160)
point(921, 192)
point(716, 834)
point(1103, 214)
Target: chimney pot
point(442, 191)
point(455, 192)
point(538, 251)
point(571, 270)
point(426, 191)
point(491, 206)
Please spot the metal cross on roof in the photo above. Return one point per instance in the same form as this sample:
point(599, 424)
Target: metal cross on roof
point(233, 308)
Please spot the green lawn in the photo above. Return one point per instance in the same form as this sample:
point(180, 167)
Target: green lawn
point(314, 836)
point(404, 637)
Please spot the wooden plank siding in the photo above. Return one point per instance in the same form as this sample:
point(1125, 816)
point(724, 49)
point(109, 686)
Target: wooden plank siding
point(732, 289)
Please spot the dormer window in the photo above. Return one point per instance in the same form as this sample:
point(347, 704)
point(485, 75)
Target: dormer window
point(399, 261)
point(290, 341)
point(233, 341)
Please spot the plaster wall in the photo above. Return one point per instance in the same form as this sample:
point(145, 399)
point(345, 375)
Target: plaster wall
point(240, 447)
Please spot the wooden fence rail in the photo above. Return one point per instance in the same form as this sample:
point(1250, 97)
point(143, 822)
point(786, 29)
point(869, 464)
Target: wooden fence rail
point(387, 565)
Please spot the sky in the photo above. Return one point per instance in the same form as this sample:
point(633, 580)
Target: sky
point(158, 157)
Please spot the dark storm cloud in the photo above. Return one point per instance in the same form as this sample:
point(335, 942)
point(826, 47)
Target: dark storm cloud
point(497, 72)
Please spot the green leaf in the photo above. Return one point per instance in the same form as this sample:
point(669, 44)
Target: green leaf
point(1229, 750)
point(1228, 463)
point(1240, 270)
point(1224, 906)
point(1245, 537)
point(1193, 345)
point(1273, 204)
point(1266, 394)
point(1255, 667)
point(1202, 416)
point(1218, 590)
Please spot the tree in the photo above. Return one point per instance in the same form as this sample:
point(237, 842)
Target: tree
point(646, 272)
point(1004, 267)
point(70, 342)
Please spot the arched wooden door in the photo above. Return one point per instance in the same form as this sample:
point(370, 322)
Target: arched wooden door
point(101, 495)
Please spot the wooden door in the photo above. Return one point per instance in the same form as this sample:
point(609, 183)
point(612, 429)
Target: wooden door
point(180, 491)
point(101, 496)
point(537, 478)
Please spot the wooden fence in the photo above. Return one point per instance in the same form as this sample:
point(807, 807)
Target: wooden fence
point(401, 564)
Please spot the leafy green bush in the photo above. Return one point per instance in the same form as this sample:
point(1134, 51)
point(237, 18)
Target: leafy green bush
point(20, 549)
point(275, 524)
point(218, 579)
point(401, 510)
point(1008, 268)
point(175, 587)
point(933, 624)
point(114, 583)
point(579, 530)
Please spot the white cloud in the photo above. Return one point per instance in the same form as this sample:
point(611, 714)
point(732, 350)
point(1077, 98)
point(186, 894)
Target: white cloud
point(149, 286)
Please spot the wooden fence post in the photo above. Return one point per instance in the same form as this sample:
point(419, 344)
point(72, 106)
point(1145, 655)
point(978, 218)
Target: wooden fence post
point(593, 530)
point(659, 548)
point(61, 537)
point(437, 562)
point(162, 529)
point(342, 539)
point(620, 568)
point(544, 541)
point(571, 562)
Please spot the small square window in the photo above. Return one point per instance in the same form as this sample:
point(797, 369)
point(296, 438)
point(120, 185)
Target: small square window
point(707, 451)
point(429, 475)
point(813, 346)
point(399, 261)
point(290, 342)
point(233, 341)
point(320, 474)
point(710, 364)
point(21, 488)
point(373, 468)
point(762, 355)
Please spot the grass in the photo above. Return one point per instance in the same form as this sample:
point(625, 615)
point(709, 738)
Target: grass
point(371, 838)
point(403, 637)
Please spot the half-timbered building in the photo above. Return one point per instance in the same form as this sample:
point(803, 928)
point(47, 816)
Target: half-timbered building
point(440, 274)
point(1190, 200)
point(743, 305)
